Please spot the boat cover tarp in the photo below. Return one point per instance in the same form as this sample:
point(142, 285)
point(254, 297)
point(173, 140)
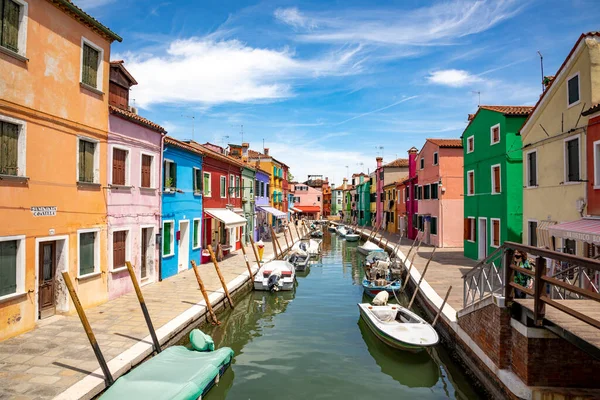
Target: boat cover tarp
point(175, 373)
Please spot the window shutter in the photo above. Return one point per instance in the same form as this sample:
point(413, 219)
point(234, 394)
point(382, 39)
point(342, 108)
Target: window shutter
point(119, 255)
point(196, 228)
point(86, 253)
point(496, 226)
point(573, 161)
point(146, 170)
point(10, 25)
point(173, 173)
point(207, 188)
point(8, 267)
point(119, 157)
point(467, 229)
point(167, 239)
point(90, 66)
point(496, 179)
point(9, 141)
point(89, 161)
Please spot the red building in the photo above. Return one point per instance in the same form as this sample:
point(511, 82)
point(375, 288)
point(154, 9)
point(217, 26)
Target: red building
point(593, 160)
point(326, 189)
point(412, 203)
point(401, 188)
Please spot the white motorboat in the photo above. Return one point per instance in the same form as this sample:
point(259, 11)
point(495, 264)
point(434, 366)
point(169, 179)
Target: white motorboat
point(341, 230)
point(275, 275)
point(368, 247)
point(299, 257)
point(313, 247)
point(352, 236)
point(398, 327)
point(331, 228)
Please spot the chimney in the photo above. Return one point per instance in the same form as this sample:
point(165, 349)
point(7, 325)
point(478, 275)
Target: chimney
point(547, 81)
point(470, 117)
point(412, 162)
point(345, 183)
point(245, 151)
point(266, 151)
point(379, 161)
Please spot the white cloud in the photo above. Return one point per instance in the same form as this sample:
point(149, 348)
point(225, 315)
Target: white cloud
point(293, 17)
point(453, 78)
point(210, 71)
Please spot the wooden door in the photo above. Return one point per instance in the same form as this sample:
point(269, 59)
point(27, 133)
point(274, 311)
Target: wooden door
point(47, 281)
point(145, 244)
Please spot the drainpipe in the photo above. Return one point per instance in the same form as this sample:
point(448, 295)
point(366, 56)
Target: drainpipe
point(160, 204)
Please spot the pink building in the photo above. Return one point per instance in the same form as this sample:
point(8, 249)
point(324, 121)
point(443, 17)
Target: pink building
point(412, 204)
point(439, 192)
point(133, 195)
point(307, 201)
point(379, 182)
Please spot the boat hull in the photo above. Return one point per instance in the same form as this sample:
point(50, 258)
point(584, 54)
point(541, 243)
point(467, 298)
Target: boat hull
point(352, 238)
point(263, 285)
point(387, 339)
point(372, 291)
point(364, 251)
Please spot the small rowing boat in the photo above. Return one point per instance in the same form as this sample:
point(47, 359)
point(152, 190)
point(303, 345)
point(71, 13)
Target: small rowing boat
point(368, 247)
point(371, 288)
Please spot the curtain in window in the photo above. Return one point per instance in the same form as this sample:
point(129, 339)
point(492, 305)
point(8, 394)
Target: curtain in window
point(10, 24)
point(9, 141)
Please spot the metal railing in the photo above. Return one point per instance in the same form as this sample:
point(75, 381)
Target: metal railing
point(484, 280)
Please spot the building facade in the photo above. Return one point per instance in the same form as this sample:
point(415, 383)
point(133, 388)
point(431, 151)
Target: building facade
point(363, 201)
point(389, 207)
point(412, 203)
point(401, 198)
point(308, 201)
point(262, 200)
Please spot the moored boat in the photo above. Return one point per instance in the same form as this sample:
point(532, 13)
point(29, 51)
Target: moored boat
point(373, 287)
point(313, 246)
point(316, 234)
point(352, 236)
point(375, 256)
point(341, 230)
point(368, 247)
point(331, 228)
point(275, 275)
point(299, 258)
point(398, 327)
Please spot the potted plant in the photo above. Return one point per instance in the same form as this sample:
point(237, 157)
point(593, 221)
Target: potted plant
point(169, 185)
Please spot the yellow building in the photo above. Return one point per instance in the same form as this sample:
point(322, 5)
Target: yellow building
point(389, 207)
point(278, 188)
point(554, 148)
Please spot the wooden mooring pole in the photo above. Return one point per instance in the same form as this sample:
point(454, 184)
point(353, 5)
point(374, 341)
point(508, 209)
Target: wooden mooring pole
point(140, 297)
point(255, 252)
point(410, 250)
point(279, 252)
point(412, 260)
point(442, 307)
point(286, 241)
point(296, 226)
point(421, 279)
point(251, 275)
point(88, 329)
point(211, 312)
point(216, 264)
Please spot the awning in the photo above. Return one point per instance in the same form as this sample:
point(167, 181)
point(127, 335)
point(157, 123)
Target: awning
point(291, 211)
point(238, 211)
point(544, 238)
point(308, 209)
point(585, 230)
point(274, 212)
point(228, 217)
point(295, 209)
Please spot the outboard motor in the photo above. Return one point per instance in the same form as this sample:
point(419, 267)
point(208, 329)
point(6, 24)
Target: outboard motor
point(303, 246)
point(273, 281)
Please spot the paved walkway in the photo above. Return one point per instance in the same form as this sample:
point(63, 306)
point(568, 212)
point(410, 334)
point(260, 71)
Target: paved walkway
point(46, 361)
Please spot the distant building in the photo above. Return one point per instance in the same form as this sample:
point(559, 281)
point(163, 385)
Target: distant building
point(307, 201)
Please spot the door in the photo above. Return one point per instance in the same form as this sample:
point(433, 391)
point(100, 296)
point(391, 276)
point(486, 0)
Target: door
point(184, 245)
point(482, 239)
point(146, 237)
point(47, 263)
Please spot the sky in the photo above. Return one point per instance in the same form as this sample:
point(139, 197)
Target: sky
point(330, 85)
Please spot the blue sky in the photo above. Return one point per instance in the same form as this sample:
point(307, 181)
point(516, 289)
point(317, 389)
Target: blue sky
point(330, 84)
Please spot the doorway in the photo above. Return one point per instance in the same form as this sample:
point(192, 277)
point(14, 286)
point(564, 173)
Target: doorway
point(47, 281)
point(184, 245)
point(482, 239)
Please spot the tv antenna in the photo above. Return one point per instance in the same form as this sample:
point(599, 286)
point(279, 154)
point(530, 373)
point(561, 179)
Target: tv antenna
point(362, 166)
point(193, 117)
point(241, 131)
point(542, 68)
point(379, 148)
point(478, 93)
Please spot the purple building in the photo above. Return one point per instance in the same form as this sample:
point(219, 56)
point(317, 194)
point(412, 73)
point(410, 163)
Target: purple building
point(261, 199)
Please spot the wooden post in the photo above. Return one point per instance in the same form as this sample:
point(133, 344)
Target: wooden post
point(278, 253)
point(412, 260)
point(296, 227)
point(275, 252)
point(421, 279)
point(216, 264)
point(140, 297)
point(88, 329)
point(211, 312)
point(386, 243)
point(409, 250)
point(508, 274)
point(442, 307)
point(255, 252)
point(539, 287)
point(247, 262)
point(287, 245)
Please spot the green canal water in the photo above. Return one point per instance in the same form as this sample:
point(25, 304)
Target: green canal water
point(312, 344)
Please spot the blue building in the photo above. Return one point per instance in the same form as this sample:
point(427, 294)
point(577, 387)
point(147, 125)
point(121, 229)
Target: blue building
point(181, 231)
point(261, 201)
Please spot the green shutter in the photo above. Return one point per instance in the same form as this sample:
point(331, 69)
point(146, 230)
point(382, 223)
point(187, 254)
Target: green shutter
point(10, 25)
point(8, 267)
point(206, 188)
point(9, 139)
point(86, 253)
point(196, 228)
point(173, 173)
point(86, 161)
point(90, 66)
point(166, 239)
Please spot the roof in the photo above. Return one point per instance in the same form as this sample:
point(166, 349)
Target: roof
point(259, 155)
point(217, 156)
point(552, 83)
point(68, 7)
point(593, 109)
point(133, 117)
point(399, 162)
point(119, 64)
point(447, 143)
point(182, 145)
point(510, 110)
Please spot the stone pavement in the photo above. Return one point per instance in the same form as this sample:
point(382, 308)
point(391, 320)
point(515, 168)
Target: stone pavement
point(46, 361)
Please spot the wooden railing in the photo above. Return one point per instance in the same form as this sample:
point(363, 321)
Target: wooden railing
point(484, 280)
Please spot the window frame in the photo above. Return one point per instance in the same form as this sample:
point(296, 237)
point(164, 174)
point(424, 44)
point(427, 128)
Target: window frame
point(470, 190)
point(436, 226)
point(565, 161)
point(96, 179)
point(99, 74)
point(207, 189)
point(127, 247)
point(437, 191)
point(427, 192)
point(493, 186)
point(231, 191)
point(492, 237)
point(127, 165)
point(238, 188)
point(21, 266)
point(436, 158)
point(421, 163)
point(595, 145)
point(199, 231)
point(471, 139)
point(576, 74)
point(21, 53)
point(492, 134)
point(172, 241)
point(152, 169)
point(165, 169)
point(21, 145)
point(97, 268)
point(223, 186)
point(195, 190)
point(528, 172)
point(529, 221)
point(473, 230)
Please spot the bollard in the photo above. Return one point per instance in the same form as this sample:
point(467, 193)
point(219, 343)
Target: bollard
point(204, 294)
point(216, 264)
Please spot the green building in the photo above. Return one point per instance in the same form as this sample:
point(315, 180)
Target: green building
point(363, 206)
point(248, 176)
point(348, 211)
point(493, 179)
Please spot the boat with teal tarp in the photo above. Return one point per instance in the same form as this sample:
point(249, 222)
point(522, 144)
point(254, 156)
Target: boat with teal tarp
point(176, 373)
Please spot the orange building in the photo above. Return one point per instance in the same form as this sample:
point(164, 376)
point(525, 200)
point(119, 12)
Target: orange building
point(54, 122)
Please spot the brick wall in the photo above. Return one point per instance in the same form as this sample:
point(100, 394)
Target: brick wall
point(489, 327)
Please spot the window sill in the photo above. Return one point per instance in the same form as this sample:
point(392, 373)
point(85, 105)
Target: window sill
point(572, 183)
point(124, 187)
point(168, 255)
point(88, 276)
point(12, 296)
point(88, 184)
point(197, 193)
point(531, 187)
point(13, 54)
point(117, 270)
point(169, 190)
point(196, 248)
point(91, 89)
point(14, 178)
point(148, 189)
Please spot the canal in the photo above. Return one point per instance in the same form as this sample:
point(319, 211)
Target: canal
point(312, 344)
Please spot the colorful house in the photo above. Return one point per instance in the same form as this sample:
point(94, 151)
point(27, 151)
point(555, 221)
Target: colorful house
point(389, 207)
point(308, 201)
point(326, 189)
point(350, 215)
point(387, 174)
point(262, 201)
point(493, 186)
point(412, 203)
point(554, 152)
point(278, 175)
point(337, 199)
point(182, 198)
point(133, 194)
point(248, 195)
point(363, 201)
point(401, 199)
point(53, 129)
point(373, 200)
point(440, 192)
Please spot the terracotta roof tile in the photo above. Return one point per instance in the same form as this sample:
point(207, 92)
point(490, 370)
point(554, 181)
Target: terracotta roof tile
point(447, 143)
point(137, 119)
point(399, 162)
point(510, 110)
point(77, 13)
point(182, 145)
point(593, 109)
point(207, 152)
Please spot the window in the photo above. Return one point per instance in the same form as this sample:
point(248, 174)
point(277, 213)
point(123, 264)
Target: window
point(87, 161)
point(495, 134)
point(414, 220)
point(267, 192)
point(196, 234)
point(469, 229)
point(206, 184)
point(532, 233)
point(433, 226)
point(12, 265)
point(120, 167)
point(318, 198)
point(237, 186)
point(573, 90)
point(197, 181)
point(170, 174)
point(422, 163)
point(147, 171)
point(531, 169)
point(495, 234)
point(262, 189)
point(91, 64)
point(572, 160)
point(339, 201)
point(470, 183)
point(596, 150)
point(119, 244)
point(231, 186)
point(223, 187)
point(168, 247)
point(420, 223)
point(435, 158)
point(257, 187)
point(89, 252)
point(496, 187)
point(12, 146)
point(13, 25)
point(470, 144)
point(434, 191)
point(407, 193)
point(426, 192)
